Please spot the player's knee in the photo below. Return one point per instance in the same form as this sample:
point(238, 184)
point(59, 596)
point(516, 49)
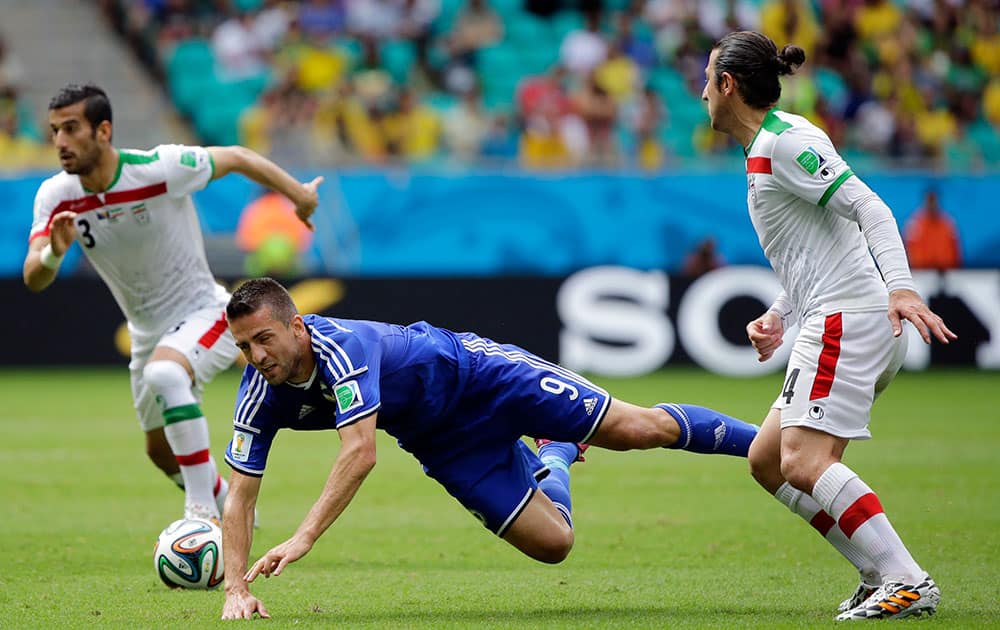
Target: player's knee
point(796, 470)
point(555, 547)
point(163, 376)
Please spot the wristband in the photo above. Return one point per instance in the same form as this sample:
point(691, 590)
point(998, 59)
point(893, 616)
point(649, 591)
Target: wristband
point(49, 259)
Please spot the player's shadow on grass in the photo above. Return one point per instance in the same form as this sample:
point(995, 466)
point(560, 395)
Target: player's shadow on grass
point(578, 617)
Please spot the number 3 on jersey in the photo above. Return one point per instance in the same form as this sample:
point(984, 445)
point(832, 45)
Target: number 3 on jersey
point(555, 386)
point(88, 238)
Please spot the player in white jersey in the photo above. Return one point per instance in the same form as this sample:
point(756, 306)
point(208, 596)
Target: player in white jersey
point(817, 222)
point(132, 214)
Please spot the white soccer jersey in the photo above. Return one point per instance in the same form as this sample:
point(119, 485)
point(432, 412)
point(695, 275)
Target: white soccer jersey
point(820, 255)
point(141, 235)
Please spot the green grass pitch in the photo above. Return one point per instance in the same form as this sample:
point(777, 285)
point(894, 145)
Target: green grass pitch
point(664, 539)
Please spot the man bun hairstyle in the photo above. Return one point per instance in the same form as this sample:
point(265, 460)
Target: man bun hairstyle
point(257, 293)
point(753, 59)
point(97, 105)
point(789, 59)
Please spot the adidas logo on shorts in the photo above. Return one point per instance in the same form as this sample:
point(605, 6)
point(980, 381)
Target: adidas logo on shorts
point(590, 404)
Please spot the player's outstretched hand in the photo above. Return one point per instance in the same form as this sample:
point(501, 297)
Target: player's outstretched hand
point(305, 206)
point(274, 561)
point(765, 335)
point(62, 232)
point(243, 606)
point(906, 304)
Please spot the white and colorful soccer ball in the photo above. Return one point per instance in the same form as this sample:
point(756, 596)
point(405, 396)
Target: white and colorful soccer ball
point(188, 554)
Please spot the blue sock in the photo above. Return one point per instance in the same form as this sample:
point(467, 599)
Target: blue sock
point(558, 456)
point(705, 430)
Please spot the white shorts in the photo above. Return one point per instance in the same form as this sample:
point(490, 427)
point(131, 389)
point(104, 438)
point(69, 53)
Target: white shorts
point(839, 364)
point(202, 337)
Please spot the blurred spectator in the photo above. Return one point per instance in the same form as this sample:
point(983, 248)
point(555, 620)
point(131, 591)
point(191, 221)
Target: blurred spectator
point(322, 18)
point(271, 23)
point(877, 19)
point(467, 125)
point(553, 136)
point(413, 130)
point(790, 22)
point(702, 259)
point(272, 236)
point(618, 76)
point(931, 237)
point(936, 125)
point(597, 108)
point(376, 19)
point(646, 117)
point(582, 50)
point(11, 69)
point(476, 26)
point(985, 48)
point(239, 50)
point(19, 147)
point(724, 16)
point(635, 44)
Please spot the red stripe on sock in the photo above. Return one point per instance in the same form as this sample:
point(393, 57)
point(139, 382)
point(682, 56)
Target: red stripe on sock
point(823, 522)
point(193, 459)
point(209, 338)
point(859, 512)
point(828, 357)
point(218, 485)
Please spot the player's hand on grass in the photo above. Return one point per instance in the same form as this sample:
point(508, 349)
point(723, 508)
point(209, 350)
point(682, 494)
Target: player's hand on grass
point(275, 560)
point(766, 334)
point(306, 204)
point(906, 304)
point(62, 232)
point(243, 606)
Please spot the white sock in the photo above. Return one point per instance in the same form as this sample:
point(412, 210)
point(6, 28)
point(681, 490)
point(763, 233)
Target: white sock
point(186, 431)
point(859, 515)
point(805, 506)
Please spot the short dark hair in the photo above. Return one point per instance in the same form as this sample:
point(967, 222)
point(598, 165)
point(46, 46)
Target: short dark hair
point(97, 107)
point(754, 61)
point(254, 294)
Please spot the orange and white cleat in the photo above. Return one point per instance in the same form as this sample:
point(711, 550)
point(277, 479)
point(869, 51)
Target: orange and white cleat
point(896, 600)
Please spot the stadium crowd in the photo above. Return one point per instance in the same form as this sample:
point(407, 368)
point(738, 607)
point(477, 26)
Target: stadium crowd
point(602, 83)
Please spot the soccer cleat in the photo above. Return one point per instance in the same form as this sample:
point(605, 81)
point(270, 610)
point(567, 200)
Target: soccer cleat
point(203, 512)
point(896, 600)
point(863, 592)
point(580, 447)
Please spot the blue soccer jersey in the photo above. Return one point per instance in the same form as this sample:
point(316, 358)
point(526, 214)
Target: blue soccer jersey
point(409, 374)
point(458, 402)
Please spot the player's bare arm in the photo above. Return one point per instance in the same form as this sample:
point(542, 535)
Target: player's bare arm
point(906, 304)
point(354, 461)
point(45, 253)
point(766, 334)
point(263, 171)
point(237, 534)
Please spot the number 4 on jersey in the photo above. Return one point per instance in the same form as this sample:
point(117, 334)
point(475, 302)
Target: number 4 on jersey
point(788, 389)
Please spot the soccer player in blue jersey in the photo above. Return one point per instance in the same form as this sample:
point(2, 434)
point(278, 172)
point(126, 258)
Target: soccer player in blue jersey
point(458, 402)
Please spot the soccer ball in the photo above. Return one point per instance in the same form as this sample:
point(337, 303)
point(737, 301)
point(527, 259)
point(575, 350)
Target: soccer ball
point(188, 554)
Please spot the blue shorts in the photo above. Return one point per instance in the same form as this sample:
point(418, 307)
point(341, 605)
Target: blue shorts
point(478, 455)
